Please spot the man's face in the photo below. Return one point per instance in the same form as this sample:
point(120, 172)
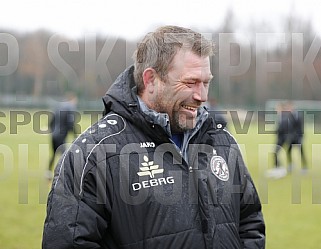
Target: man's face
point(185, 89)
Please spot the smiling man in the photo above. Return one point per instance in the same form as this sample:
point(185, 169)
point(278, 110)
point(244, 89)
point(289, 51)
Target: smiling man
point(157, 171)
point(181, 92)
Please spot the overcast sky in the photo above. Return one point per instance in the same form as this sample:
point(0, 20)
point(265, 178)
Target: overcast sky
point(131, 19)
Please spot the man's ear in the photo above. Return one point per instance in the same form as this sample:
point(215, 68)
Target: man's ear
point(149, 77)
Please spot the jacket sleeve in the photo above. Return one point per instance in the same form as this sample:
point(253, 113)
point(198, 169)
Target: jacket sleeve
point(76, 215)
point(252, 226)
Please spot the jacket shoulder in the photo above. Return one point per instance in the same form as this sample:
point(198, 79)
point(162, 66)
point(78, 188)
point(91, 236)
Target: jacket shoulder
point(108, 126)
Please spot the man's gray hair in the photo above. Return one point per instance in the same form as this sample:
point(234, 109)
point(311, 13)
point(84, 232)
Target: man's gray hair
point(158, 49)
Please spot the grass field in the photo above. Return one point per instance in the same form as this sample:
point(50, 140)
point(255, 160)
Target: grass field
point(291, 205)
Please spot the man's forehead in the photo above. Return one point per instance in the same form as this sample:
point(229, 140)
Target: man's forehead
point(192, 60)
point(197, 75)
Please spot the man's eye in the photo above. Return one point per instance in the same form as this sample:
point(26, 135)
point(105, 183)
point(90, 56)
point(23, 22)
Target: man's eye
point(189, 82)
point(206, 83)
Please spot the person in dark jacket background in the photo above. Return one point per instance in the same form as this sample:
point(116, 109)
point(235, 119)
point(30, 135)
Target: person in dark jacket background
point(156, 171)
point(289, 133)
point(61, 123)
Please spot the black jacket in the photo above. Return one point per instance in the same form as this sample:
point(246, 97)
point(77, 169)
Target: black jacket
point(290, 127)
point(62, 120)
point(124, 184)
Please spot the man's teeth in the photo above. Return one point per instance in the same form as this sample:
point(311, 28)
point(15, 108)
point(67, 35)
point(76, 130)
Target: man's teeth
point(189, 107)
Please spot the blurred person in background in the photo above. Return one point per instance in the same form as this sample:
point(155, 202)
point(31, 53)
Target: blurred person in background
point(61, 123)
point(289, 134)
point(156, 171)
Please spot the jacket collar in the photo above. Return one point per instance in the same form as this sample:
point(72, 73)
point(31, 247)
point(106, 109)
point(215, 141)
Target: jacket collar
point(162, 119)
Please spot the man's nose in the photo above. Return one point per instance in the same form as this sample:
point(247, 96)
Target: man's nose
point(200, 92)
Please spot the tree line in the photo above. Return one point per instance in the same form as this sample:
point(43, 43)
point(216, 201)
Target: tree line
point(248, 69)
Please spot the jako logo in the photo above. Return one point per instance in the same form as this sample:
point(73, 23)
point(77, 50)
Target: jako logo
point(149, 169)
point(147, 145)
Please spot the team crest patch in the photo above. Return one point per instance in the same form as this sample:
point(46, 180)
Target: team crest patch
point(219, 168)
